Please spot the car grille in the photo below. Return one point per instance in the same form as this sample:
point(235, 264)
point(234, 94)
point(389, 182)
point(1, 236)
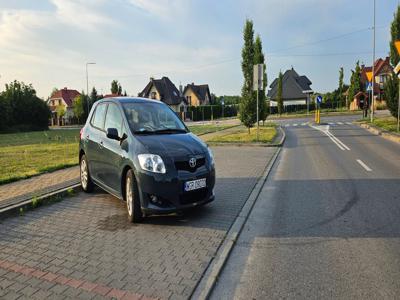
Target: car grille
point(193, 196)
point(184, 165)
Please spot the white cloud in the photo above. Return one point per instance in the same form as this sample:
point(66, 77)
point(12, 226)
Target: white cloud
point(165, 9)
point(85, 14)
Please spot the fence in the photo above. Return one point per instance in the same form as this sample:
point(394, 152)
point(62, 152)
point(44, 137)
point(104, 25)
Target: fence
point(211, 112)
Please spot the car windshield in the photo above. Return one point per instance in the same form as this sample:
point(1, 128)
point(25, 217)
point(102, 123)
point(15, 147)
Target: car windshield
point(151, 118)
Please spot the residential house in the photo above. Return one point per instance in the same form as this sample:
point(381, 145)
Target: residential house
point(197, 95)
point(382, 71)
point(65, 98)
point(296, 90)
point(164, 90)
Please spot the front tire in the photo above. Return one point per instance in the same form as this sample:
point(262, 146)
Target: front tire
point(86, 181)
point(132, 198)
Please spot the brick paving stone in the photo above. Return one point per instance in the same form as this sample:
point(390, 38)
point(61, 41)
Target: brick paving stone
point(37, 185)
point(84, 247)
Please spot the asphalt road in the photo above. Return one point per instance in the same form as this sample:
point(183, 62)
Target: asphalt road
point(327, 222)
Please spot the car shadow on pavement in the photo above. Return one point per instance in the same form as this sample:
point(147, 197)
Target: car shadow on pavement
point(230, 196)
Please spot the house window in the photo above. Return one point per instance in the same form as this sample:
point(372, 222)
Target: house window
point(189, 100)
point(153, 95)
point(382, 78)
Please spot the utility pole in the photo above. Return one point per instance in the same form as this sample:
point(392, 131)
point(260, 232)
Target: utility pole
point(373, 69)
point(258, 79)
point(87, 84)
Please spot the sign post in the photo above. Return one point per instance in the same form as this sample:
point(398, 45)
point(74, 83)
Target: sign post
point(318, 103)
point(258, 74)
point(397, 71)
point(370, 90)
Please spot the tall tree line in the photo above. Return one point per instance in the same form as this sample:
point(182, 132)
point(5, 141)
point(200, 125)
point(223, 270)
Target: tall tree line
point(251, 54)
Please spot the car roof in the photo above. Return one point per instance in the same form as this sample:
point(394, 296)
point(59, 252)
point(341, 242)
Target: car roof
point(130, 100)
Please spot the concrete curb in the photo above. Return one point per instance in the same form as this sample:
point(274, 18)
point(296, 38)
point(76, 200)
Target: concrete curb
point(274, 144)
point(207, 283)
point(394, 137)
point(14, 209)
point(210, 132)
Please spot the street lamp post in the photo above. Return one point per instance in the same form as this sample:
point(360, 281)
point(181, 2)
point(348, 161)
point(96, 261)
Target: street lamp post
point(87, 84)
point(373, 70)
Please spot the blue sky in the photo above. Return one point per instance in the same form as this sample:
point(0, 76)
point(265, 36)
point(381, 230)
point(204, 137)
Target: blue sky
point(47, 43)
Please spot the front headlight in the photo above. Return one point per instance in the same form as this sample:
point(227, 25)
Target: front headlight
point(151, 163)
point(211, 156)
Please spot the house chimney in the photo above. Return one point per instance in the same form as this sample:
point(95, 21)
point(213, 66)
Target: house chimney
point(192, 83)
point(151, 78)
point(180, 90)
point(65, 88)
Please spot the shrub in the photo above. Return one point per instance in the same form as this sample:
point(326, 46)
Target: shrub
point(21, 109)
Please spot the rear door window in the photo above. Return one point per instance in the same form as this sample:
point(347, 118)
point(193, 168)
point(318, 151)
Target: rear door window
point(99, 115)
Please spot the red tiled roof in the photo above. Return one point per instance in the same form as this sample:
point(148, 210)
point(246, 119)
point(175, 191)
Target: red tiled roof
point(67, 95)
point(379, 64)
point(111, 95)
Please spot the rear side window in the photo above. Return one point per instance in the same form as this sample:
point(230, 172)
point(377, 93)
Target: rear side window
point(99, 115)
point(114, 118)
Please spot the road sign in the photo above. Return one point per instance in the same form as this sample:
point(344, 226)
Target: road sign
point(397, 70)
point(258, 77)
point(369, 75)
point(319, 99)
point(369, 87)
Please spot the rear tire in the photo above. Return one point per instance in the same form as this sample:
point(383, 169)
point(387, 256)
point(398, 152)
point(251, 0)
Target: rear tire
point(86, 181)
point(132, 198)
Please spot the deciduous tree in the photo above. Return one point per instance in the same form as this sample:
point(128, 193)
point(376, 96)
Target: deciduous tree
point(248, 103)
point(279, 98)
point(260, 59)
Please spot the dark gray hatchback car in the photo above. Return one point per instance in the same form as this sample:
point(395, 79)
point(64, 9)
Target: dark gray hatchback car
point(139, 150)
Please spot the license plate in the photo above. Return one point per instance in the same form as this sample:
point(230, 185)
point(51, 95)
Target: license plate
point(195, 184)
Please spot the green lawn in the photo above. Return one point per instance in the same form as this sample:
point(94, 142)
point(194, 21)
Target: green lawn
point(26, 154)
point(266, 135)
point(30, 153)
point(387, 123)
point(203, 129)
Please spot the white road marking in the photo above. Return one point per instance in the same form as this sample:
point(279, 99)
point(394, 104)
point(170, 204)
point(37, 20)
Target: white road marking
point(349, 123)
point(340, 123)
point(364, 165)
point(330, 123)
point(339, 143)
point(303, 124)
point(295, 124)
point(287, 125)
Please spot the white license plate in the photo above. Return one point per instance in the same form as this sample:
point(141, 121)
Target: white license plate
point(195, 184)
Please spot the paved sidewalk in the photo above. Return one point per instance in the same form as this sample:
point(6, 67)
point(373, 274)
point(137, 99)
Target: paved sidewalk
point(85, 248)
point(22, 190)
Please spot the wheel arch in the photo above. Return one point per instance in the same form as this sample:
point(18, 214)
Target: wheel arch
point(81, 153)
point(123, 179)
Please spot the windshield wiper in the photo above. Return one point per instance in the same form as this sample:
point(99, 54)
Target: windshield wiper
point(171, 130)
point(144, 132)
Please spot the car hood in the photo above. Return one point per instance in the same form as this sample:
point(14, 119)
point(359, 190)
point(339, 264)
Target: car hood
point(173, 145)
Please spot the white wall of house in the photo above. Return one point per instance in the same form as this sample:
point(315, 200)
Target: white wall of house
point(288, 102)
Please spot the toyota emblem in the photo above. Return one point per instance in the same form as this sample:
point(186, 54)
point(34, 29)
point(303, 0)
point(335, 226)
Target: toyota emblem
point(192, 162)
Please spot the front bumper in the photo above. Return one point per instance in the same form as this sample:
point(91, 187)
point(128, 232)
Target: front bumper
point(164, 193)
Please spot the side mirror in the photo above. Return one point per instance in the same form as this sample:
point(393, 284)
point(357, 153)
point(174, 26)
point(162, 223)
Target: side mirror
point(112, 133)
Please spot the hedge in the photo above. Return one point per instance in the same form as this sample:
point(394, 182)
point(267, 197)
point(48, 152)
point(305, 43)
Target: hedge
point(211, 112)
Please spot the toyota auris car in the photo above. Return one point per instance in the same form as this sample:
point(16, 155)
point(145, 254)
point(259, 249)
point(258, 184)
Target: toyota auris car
point(140, 151)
